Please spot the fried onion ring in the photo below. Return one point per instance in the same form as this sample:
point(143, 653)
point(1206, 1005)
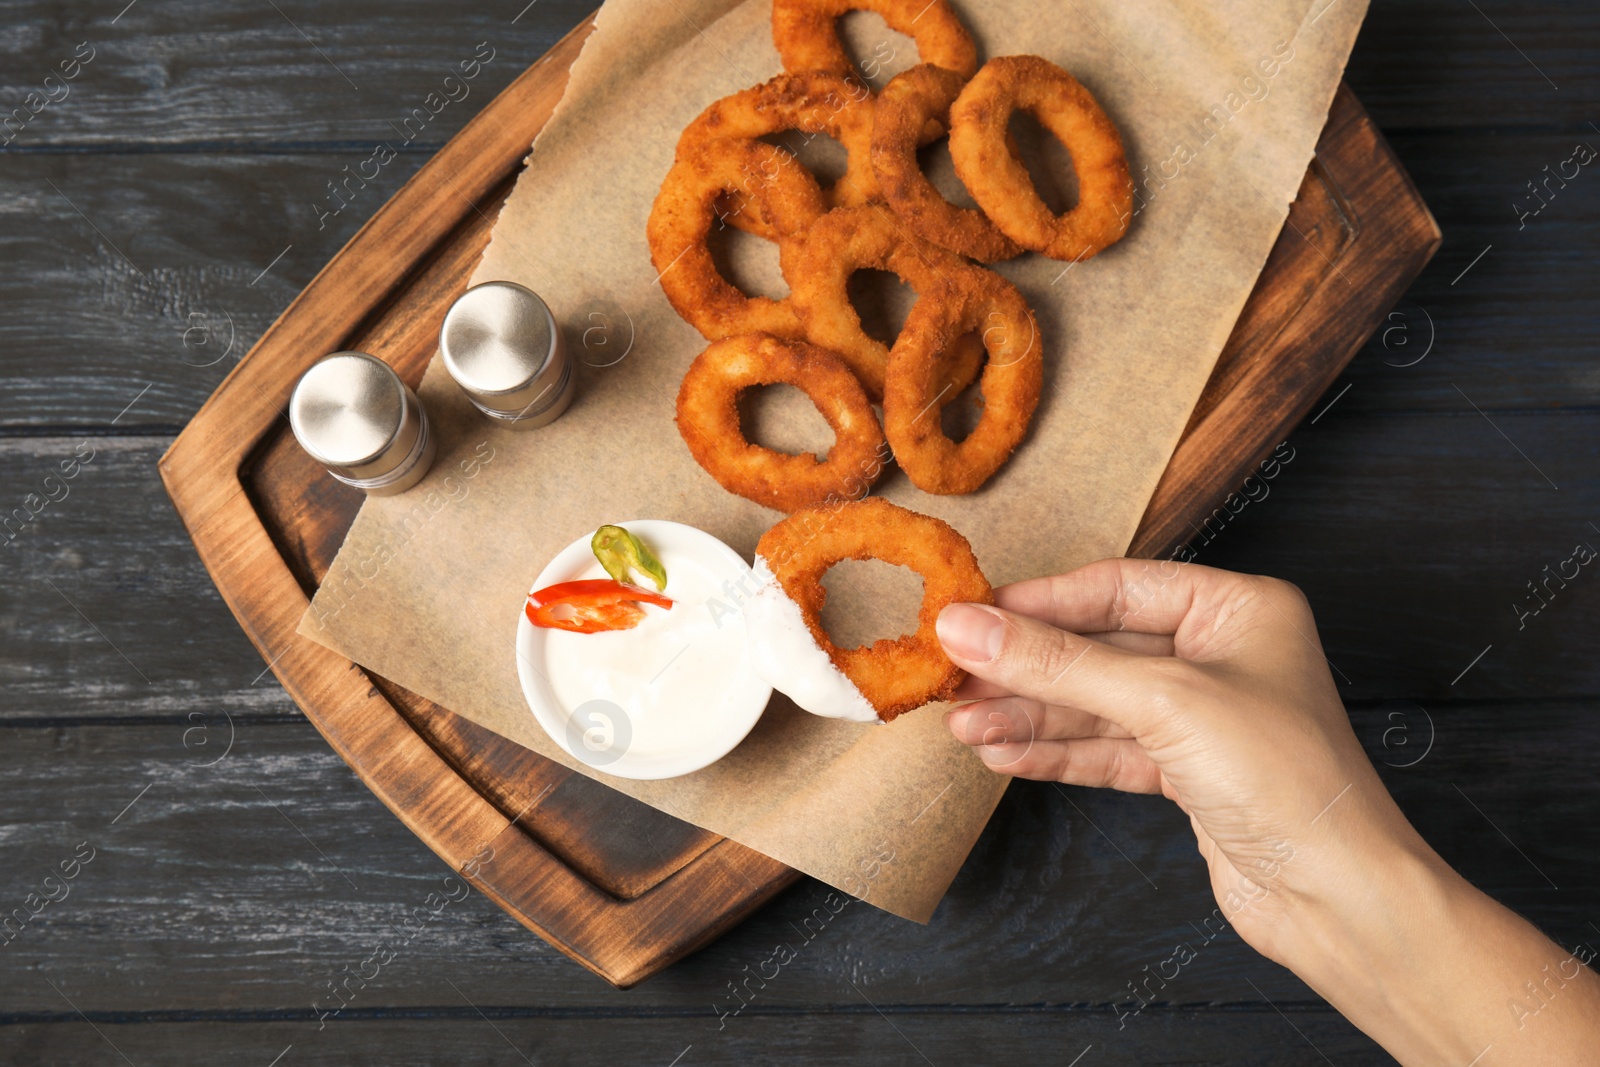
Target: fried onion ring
point(708, 419)
point(1000, 183)
point(1011, 383)
point(685, 211)
point(907, 106)
point(896, 675)
point(807, 35)
point(812, 102)
point(818, 265)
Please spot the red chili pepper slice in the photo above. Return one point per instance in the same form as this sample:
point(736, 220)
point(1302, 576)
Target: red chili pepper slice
point(591, 605)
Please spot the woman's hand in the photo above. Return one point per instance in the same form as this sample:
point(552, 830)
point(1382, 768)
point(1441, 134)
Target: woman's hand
point(1212, 688)
point(1204, 685)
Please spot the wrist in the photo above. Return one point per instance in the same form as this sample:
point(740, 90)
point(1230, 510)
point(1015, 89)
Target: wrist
point(1432, 968)
point(1388, 943)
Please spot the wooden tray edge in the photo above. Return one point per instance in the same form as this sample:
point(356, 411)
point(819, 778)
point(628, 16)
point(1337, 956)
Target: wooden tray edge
point(232, 544)
point(201, 472)
point(1194, 483)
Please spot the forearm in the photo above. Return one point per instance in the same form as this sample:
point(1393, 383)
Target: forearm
point(1439, 973)
point(1206, 687)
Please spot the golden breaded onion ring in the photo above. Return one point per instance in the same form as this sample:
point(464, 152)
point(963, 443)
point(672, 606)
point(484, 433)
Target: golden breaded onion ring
point(1000, 183)
point(806, 33)
point(812, 102)
point(907, 672)
point(915, 100)
point(818, 264)
point(708, 419)
point(685, 211)
point(1011, 383)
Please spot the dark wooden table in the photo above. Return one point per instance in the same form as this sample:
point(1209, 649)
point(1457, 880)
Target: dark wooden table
point(154, 220)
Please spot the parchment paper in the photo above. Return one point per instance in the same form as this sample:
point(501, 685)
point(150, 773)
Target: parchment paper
point(428, 587)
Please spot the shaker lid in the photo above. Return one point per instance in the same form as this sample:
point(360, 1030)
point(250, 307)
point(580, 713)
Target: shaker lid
point(348, 409)
point(497, 338)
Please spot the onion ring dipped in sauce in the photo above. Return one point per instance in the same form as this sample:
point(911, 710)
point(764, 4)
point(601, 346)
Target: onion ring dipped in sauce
point(812, 102)
point(910, 111)
point(1011, 382)
point(791, 650)
point(685, 211)
point(819, 262)
point(1000, 183)
point(806, 33)
point(708, 420)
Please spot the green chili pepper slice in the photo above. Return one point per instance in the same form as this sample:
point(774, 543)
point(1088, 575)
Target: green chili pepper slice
point(621, 553)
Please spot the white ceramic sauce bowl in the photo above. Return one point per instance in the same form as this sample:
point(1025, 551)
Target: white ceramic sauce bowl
point(670, 696)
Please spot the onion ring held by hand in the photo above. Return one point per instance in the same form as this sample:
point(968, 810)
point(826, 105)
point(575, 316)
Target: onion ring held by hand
point(806, 33)
point(1000, 183)
point(818, 264)
point(685, 211)
point(812, 102)
point(897, 675)
point(708, 419)
point(906, 107)
point(1012, 379)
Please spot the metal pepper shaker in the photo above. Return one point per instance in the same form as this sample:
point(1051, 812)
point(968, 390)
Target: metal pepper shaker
point(501, 344)
point(355, 416)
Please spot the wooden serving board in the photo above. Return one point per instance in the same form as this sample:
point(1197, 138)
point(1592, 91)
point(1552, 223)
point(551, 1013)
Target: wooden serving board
point(620, 887)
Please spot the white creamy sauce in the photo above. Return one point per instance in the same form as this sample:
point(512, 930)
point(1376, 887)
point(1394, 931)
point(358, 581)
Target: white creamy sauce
point(678, 677)
point(788, 658)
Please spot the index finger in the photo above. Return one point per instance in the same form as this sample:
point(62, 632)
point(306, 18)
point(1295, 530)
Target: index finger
point(1135, 595)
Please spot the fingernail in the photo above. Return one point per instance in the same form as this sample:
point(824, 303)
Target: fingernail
point(971, 632)
point(999, 755)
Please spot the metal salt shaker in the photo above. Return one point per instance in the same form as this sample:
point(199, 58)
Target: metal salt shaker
point(355, 416)
point(502, 346)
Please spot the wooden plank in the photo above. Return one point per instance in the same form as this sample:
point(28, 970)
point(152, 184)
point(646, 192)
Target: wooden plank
point(285, 73)
point(1435, 478)
point(1515, 327)
point(176, 215)
point(1414, 536)
point(207, 73)
point(835, 1038)
point(239, 870)
point(408, 248)
point(1412, 533)
point(105, 609)
point(132, 282)
point(1504, 757)
point(1440, 64)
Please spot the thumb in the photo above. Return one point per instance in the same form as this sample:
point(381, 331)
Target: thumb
point(1033, 659)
